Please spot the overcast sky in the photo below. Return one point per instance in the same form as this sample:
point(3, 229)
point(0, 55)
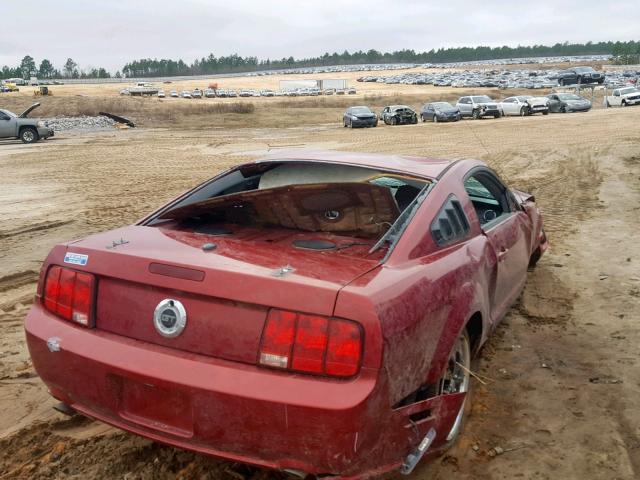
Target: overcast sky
point(110, 33)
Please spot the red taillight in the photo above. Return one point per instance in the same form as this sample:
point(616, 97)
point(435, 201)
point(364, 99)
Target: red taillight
point(69, 294)
point(311, 344)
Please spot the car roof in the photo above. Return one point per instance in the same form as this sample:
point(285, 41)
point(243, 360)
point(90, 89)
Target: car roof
point(413, 165)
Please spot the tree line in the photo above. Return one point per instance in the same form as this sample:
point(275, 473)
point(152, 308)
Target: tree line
point(148, 67)
point(46, 69)
point(623, 52)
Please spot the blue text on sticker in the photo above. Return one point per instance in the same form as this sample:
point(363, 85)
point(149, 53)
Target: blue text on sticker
point(76, 258)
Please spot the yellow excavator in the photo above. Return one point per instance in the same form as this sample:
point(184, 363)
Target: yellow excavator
point(42, 92)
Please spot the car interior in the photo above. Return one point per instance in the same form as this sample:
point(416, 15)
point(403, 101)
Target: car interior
point(487, 196)
point(307, 197)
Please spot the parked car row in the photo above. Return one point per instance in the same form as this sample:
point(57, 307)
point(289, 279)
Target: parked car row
point(476, 107)
point(229, 93)
point(525, 78)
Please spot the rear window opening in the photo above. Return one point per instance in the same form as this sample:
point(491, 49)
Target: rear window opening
point(309, 206)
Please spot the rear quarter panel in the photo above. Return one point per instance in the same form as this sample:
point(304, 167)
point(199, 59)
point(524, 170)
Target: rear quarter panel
point(423, 295)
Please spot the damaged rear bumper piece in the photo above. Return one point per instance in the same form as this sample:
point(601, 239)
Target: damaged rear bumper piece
point(237, 412)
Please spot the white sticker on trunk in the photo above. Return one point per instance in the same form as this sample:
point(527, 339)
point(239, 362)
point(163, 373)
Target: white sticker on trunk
point(76, 258)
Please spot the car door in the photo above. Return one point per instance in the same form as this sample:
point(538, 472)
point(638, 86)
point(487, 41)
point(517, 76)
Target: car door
point(7, 126)
point(508, 231)
point(427, 112)
point(616, 98)
point(464, 104)
point(509, 106)
point(554, 103)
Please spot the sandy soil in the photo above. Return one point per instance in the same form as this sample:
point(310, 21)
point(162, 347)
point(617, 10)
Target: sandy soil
point(562, 389)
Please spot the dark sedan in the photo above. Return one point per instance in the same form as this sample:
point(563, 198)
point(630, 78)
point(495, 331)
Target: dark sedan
point(568, 102)
point(580, 75)
point(440, 112)
point(359, 117)
point(399, 115)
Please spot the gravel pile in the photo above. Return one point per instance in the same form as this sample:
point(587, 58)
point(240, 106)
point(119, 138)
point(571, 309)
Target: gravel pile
point(60, 124)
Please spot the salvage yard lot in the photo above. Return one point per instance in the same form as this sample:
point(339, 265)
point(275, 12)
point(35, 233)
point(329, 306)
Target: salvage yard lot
point(562, 378)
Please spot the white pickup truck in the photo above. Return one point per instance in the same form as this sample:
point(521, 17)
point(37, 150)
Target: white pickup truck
point(623, 97)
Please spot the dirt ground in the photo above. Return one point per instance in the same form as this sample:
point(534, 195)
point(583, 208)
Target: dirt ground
point(561, 392)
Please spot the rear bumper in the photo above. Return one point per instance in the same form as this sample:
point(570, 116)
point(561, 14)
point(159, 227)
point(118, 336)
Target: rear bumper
point(365, 122)
point(490, 113)
point(229, 410)
point(448, 118)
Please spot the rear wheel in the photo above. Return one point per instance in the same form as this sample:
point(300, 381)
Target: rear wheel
point(457, 379)
point(28, 135)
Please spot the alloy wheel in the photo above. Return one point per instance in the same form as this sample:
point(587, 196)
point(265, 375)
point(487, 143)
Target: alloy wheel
point(457, 378)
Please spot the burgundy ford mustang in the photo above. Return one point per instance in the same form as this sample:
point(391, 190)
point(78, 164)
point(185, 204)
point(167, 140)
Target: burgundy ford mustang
point(315, 312)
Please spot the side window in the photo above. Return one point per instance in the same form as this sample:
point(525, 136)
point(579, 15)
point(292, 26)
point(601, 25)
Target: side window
point(488, 196)
point(450, 224)
point(4, 116)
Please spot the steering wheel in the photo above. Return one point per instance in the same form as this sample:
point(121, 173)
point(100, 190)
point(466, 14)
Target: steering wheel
point(489, 215)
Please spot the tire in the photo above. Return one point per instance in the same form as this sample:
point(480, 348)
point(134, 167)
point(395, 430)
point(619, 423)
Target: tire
point(394, 121)
point(524, 112)
point(414, 120)
point(456, 379)
point(435, 119)
point(497, 115)
point(375, 124)
point(563, 109)
point(29, 135)
point(535, 256)
point(546, 113)
point(624, 103)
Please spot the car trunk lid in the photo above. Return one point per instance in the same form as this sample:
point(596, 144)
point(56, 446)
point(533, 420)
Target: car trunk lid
point(226, 291)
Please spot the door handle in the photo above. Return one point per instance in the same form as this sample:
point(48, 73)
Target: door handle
point(502, 254)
